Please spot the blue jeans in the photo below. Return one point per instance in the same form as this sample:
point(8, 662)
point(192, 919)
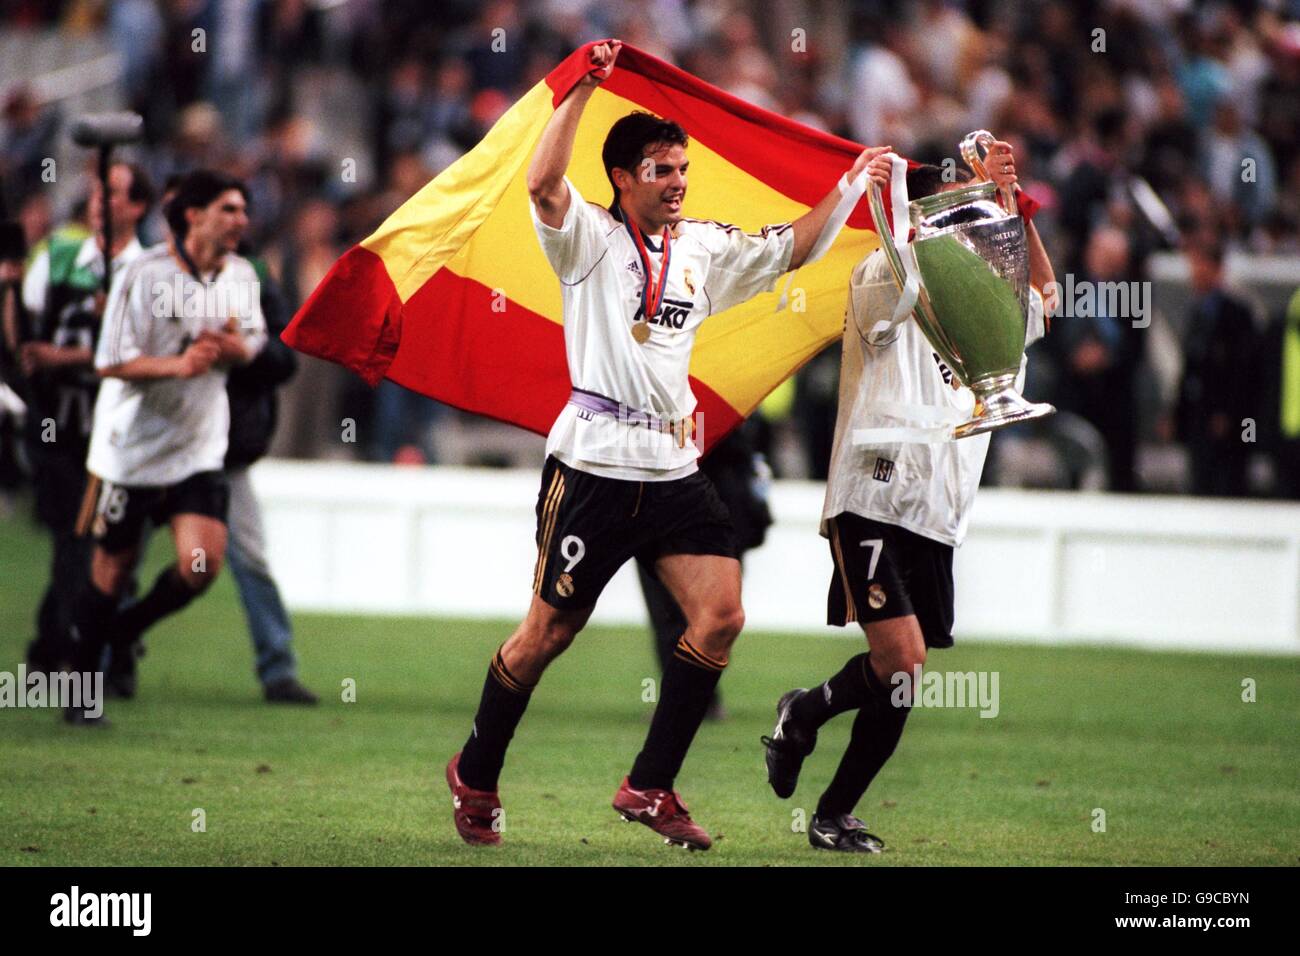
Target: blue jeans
point(268, 621)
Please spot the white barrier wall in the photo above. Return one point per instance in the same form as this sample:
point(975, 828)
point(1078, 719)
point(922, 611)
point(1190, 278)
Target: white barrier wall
point(1038, 566)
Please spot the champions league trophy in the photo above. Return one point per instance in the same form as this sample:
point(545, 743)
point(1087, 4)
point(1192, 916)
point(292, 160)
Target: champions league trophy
point(965, 276)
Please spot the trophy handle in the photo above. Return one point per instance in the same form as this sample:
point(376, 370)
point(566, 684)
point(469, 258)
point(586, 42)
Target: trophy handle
point(970, 148)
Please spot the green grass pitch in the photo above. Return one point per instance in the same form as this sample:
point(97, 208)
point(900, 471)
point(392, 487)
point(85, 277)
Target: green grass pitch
point(1185, 771)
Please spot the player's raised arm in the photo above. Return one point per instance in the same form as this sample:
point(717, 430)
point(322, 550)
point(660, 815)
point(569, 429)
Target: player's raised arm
point(809, 228)
point(546, 185)
point(1001, 164)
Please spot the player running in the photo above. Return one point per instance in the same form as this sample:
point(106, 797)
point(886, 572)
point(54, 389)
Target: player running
point(181, 314)
point(893, 514)
point(621, 479)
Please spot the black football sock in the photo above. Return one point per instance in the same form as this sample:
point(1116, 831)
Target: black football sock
point(500, 709)
point(876, 732)
point(167, 596)
point(93, 620)
point(846, 691)
point(688, 684)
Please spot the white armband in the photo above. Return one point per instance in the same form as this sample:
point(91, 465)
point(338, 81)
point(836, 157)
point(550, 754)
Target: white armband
point(850, 193)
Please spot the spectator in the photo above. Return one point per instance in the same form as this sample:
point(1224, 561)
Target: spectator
point(250, 389)
point(1099, 351)
point(1240, 169)
point(1218, 386)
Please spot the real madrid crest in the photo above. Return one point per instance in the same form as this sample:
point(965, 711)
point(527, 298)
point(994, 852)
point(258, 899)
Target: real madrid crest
point(689, 280)
point(876, 597)
point(564, 585)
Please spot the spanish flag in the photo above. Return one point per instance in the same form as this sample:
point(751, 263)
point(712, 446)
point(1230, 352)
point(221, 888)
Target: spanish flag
point(453, 298)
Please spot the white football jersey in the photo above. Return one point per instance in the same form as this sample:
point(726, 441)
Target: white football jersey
point(712, 266)
point(891, 377)
point(160, 432)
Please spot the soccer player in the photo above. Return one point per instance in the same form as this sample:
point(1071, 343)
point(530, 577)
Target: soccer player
point(179, 317)
point(62, 290)
point(250, 391)
point(893, 513)
point(621, 479)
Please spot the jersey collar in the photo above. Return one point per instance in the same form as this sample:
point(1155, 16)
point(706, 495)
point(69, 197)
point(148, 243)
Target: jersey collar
point(654, 244)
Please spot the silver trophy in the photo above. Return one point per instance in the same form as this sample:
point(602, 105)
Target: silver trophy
point(971, 258)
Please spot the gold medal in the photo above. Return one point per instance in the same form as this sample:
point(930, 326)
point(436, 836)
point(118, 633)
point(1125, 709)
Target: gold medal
point(652, 294)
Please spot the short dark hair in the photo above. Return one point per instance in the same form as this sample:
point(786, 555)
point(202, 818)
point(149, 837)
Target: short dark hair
point(141, 185)
point(926, 180)
point(197, 190)
point(627, 139)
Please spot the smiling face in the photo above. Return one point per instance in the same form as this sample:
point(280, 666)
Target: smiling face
point(654, 192)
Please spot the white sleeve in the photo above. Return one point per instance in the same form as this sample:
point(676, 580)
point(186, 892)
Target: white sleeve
point(576, 246)
point(125, 330)
point(743, 264)
point(36, 284)
point(1035, 323)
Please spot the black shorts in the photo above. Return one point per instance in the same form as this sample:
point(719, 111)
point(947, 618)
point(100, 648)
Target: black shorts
point(115, 514)
point(589, 526)
point(883, 571)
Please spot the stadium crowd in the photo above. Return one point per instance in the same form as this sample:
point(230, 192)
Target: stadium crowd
point(1141, 126)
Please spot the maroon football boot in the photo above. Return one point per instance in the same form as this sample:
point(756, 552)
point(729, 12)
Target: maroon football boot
point(664, 812)
point(475, 811)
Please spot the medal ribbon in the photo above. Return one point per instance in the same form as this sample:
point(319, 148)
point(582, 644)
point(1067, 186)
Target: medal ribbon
point(652, 293)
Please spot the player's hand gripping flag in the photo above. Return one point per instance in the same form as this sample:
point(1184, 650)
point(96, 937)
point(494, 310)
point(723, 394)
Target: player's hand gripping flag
point(452, 297)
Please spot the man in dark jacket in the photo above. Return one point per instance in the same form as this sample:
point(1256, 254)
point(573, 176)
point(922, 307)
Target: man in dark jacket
point(1218, 378)
point(253, 407)
point(1100, 353)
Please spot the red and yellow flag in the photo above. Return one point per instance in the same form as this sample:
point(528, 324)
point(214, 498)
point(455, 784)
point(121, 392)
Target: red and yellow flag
point(452, 296)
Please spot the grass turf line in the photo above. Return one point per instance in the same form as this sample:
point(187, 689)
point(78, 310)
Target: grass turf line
point(1186, 772)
